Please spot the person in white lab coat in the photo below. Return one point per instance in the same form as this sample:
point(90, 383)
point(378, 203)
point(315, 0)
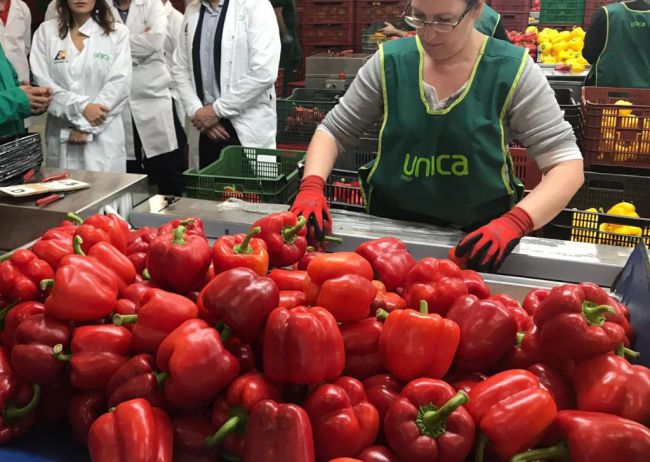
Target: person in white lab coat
point(16, 35)
point(225, 69)
point(84, 57)
point(152, 144)
point(51, 12)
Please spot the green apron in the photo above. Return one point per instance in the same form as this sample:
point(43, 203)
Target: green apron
point(488, 21)
point(449, 166)
point(625, 60)
point(14, 104)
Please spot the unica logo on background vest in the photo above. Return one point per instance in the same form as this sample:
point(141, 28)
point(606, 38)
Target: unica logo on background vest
point(429, 166)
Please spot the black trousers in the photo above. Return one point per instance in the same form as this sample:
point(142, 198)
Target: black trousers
point(210, 151)
point(165, 170)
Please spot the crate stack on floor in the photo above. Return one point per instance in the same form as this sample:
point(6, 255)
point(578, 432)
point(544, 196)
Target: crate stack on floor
point(514, 13)
point(370, 18)
point(562, 14)
point(327, 26)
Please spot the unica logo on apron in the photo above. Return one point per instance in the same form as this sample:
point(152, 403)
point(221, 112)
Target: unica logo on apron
point(638, 24)
point(102, 56)
point(442, 164)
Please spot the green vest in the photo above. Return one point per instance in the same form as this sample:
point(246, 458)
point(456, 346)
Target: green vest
point(487, 22)
point(625, 60)
point(14, 104)
point(448, 166)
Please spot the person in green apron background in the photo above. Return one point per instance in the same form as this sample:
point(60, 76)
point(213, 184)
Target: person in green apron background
point(287, 14)
point(451, 99)
point(18, 100)
point(617, 44)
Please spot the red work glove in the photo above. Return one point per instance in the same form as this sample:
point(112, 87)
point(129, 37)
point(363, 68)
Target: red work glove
point(311, 204)
point(486, 248)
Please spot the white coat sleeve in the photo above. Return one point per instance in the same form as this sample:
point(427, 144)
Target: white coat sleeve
point(152, 41)
point(264, 58)
point(65, 104)
point(28, 31)
point(51, 12)
point(182, 77)
point(115, 93)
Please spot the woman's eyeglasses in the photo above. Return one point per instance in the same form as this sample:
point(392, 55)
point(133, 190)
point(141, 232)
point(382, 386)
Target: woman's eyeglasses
point(442, 27)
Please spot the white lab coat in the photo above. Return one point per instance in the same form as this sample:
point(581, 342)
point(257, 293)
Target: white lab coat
point(150, 101)
point(250, 55)
point(16, 37)
point(51, 12)
point(100, 73)
point(174, 22)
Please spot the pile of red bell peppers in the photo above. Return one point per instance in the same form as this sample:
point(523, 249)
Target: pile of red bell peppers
point(155, 346)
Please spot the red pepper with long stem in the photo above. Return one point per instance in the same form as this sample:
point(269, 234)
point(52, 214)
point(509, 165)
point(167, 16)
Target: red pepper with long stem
point(241, 251)
point(13, 316)
point(199, 366)
point(284, 234)
point(193, 226)
point(242, 300)
point(428, 423)
point(288, 279)
point(98, 228)
point(361, 341)
point(512, 410)
point(83, 410)
point(55, 244)
point(137, 378)
point(593, 437)
point(303, 346)
point(343, 420)
point(138, 246)
point(178, 262)
point(390, 260)
point(21, 275)
point(190, 433)
point(97, 353)
point(279, 432)
point(382, 391)
point(159, 314)
point(134, 432)
point(231, 411)
point(438, 282)
point(415, 344)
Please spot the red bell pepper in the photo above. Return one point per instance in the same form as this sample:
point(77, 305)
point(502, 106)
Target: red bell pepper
point(524, 320)
point(31, 356)
point(361, 340)
point(573, 327)
point(382, 391)
point(608, 383)
point(593, 437)
point(18, 402)
point(327, 266)
point(178, 262)
point(553, 382)
point(98, 228)
point(387, 301)
point(84, 290)
point(231, 411)
point(55, 244)
point(138, 247)
point(159, 314)
point(534, 298)
point(438, 282)
point(302, 346)
point(190, 433)
point(378, 454)
point(134, 432)
point(132, 297)
point(113, 259)
point(199, 366)
point(291, 299)
point(13, 316)
point(475, 284)
point(243, 354)
point(304, 262)
point(343, 420)
point(512, 410)
point(621, 316)
point(241, 251)
point(390, 260)
point(84, 409)
point(417, 344)
point(288, 280)
point(21, 275)
point(488, 331)
point(279, 432)
point(137, 378)
point(428, 423)
point(241, 299)
point(97, 353)
point(465, 381)
point(193, 226)
point(284, 234)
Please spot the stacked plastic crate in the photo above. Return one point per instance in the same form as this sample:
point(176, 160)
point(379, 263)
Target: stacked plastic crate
point(591, 6)
point(327, 25)
point(370, 17)
point(514, 13)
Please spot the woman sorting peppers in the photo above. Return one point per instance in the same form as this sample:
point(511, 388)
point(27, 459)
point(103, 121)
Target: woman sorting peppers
point(452, 99)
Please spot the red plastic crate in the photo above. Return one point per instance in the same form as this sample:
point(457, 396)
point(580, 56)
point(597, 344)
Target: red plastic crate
point(329, 34)
point(515, 20)
point(279, 83)
point(525, 168)
point(511, 5)
point(378, 10)
point(332, 12)
point(591, 6)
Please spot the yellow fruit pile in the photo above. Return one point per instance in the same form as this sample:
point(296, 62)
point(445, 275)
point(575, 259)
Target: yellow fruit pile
point(563, 48)
point(617, 144)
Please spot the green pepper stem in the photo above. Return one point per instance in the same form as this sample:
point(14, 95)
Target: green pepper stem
point(119, 319)
point(595, 314)
point(76, 245)
point(334, 239)
point(226, 333)
point(188, 222)
point(178, 236)
point(59, 355)
point(146, 275)
point(381, 315)
point(625, 352)
point(73, 217)
point(481, 444)
point(227, 428)
point(557, 452)
point(11, 412)
point(6, 256)
point(161, 377)
point(433, 421)
point(289, 233)
point(46, 284)
point(244, 246)
point(520, 338)
point(424, 307)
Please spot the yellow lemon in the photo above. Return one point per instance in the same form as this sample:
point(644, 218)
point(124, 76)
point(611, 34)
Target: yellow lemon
point(624, 112)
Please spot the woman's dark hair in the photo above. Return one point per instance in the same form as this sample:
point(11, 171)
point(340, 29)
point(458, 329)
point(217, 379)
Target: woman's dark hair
point(102, 14)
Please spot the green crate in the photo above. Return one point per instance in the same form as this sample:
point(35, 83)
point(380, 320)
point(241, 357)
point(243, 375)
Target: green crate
point(562, 12)
point(300, 114)
point(250, 174)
